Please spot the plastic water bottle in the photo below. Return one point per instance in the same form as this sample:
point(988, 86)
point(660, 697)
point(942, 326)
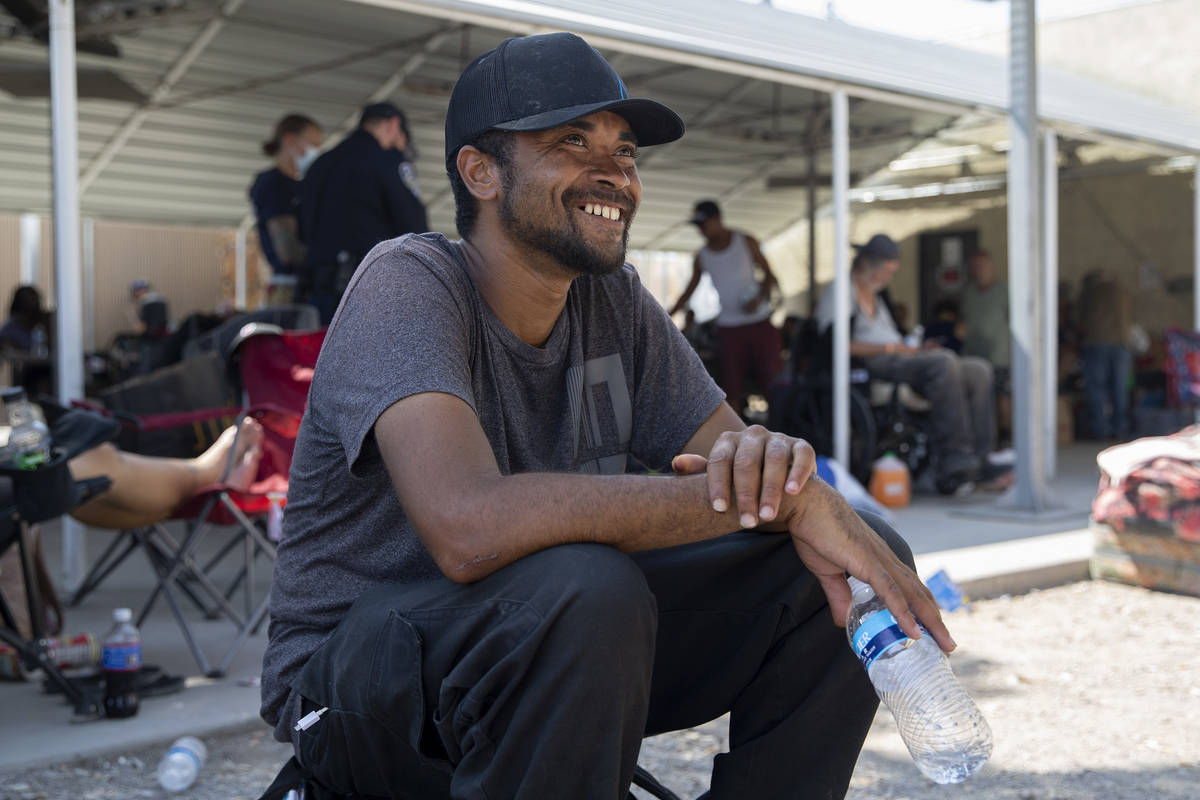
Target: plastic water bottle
point(181, 764)
point(122, 660)
point(29, 440)
point(940, 724)
point(916, 336)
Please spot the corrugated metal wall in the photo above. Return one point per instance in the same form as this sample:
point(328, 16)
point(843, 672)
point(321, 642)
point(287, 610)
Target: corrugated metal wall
point(193, 267)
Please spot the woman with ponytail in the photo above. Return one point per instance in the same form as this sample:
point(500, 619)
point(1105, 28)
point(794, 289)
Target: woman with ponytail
point(275, 195)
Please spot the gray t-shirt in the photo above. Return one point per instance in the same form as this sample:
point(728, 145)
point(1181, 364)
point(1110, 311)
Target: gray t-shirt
point(615, 381)
point(877, 329)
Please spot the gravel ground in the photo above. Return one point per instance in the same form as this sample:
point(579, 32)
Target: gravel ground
point(1092, 691)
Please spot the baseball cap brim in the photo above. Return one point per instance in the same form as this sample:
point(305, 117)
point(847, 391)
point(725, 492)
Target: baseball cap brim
point(652, 122)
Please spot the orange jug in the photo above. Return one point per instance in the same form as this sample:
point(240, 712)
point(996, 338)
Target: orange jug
point(890, 483)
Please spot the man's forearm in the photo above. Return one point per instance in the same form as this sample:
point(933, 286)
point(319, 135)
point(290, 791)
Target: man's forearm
point(514, 516)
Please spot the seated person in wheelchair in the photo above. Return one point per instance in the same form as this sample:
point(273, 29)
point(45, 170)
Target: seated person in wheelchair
point(962, 423)
point(472, 596)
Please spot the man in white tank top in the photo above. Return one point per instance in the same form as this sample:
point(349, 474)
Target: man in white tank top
point(746, 339)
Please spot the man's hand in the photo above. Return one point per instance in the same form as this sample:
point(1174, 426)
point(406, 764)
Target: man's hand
point(754, 466)
point(832, 540)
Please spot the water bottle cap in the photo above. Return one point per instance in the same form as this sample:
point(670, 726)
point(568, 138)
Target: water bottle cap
point(122, 615)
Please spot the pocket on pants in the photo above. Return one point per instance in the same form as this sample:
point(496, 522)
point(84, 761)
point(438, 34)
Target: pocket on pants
point(369, 741)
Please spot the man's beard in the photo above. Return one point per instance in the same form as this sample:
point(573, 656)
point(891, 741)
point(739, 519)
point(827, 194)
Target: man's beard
point(565, 244)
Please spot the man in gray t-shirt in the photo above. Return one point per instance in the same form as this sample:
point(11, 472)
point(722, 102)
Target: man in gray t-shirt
point(480, 592)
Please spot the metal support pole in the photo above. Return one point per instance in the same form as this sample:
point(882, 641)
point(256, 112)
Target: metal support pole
point(1050, 299)
point(1196, 249)
point(841, 277)
point(89, 285)
point(1024, 257)
point(812, 229)
point(65, 147)
point(31, 249)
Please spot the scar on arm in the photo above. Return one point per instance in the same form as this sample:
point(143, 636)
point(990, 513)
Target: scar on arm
point(477, 560)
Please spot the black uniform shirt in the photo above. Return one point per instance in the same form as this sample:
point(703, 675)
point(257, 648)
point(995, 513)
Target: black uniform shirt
point(274, 194)
point(355, 196)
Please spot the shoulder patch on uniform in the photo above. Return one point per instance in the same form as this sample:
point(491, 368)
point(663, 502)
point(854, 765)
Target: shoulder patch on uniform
point(409, 176)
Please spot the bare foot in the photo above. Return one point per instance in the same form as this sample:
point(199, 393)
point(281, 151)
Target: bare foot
point(244, 465)
point(247, 456)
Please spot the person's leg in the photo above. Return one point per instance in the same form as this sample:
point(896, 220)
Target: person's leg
point(744, 627)
point(765, 354)
point(145, 490)
point(1122, 371)
point(1095, 369)
point(532, 683)
point(937, 376)
point(978, 387)
point(729, 356)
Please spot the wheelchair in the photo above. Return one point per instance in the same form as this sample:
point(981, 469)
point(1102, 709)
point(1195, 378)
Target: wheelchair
point(884, 417)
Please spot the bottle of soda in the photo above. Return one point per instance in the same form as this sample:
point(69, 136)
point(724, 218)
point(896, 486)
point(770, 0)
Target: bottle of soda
point(29, 441)
point(122, 660)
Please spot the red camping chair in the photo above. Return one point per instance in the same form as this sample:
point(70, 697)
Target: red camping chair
point(274, 368)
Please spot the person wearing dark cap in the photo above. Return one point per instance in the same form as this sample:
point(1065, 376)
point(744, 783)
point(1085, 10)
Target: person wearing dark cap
point(747, 342)
point(472, 596)
point(275, 195)
point(355, 196)
point(962, 424)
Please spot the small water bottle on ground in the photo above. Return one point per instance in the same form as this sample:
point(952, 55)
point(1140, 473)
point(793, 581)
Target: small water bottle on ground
point(29, 440)
point(181, 764)
point(940, 724)
point(122, 660)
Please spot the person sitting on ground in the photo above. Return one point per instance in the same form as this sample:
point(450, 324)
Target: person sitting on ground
point(151, 316)
point(25, 317)
point(472, 596)
point(27, 324)
point(962, 426)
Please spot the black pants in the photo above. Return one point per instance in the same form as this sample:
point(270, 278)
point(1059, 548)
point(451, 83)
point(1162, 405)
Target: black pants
point(540, 680)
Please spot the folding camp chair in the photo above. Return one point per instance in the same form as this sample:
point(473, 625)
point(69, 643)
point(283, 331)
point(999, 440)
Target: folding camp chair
point(177, 562)
point(36, 496)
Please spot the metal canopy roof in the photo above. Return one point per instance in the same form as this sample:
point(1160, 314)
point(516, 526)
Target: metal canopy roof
point(749, 81)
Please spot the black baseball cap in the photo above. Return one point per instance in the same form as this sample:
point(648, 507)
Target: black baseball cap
point(533, 83)
point(380, 111)
point(704, 210)
point(879, 246)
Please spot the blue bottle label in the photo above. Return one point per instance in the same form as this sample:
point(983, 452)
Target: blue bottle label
point(122, 657)
point(877, 633)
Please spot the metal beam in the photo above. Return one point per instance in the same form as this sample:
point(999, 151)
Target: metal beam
point(841, 277)
point(713, 110)
point(1024, 257)
point(135, 120)
point(64, 143)
point(1196, 246)
point(1049, 290)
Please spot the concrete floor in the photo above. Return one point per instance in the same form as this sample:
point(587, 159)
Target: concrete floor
point(36, 729)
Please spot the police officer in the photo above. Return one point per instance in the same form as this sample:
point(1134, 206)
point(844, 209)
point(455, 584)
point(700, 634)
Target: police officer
point(355, 196)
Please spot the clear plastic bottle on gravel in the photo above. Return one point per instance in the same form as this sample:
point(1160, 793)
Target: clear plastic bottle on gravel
point(179, 767)
point(940, 724)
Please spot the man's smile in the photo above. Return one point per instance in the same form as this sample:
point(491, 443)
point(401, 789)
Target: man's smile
point(601, 210)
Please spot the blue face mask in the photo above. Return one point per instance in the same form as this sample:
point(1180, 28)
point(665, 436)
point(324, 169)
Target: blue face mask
point(305, 160)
